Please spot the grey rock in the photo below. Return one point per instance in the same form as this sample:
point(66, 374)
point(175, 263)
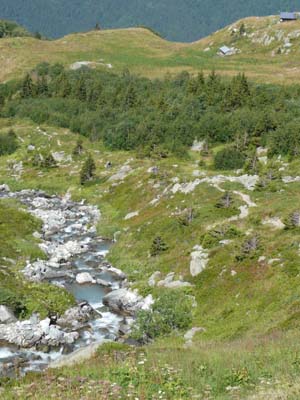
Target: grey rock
point(76, 316)
point(153, 278)
point(199, 260)
point(6, 315)
point(4, 188)
point(126, 302)
point(84, 277)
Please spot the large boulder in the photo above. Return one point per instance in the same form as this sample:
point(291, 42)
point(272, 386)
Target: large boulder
point(126, 302)
point(199, 260)
point(76, 316)
point(6, 315)
point(84, 277)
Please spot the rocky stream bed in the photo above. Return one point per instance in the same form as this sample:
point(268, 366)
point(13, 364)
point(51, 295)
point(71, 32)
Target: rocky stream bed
point(75, 260)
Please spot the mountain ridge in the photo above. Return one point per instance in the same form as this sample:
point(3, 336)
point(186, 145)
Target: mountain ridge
point(175, 20)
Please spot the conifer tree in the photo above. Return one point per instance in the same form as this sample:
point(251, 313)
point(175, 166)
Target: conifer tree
point(88, 170)
point(78, 149)
point(158, 246)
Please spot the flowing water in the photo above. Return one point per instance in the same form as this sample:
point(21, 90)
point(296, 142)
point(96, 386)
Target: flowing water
point(75, 222)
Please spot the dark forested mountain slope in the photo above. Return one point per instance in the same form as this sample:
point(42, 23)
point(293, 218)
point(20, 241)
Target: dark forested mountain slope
point(177, 20)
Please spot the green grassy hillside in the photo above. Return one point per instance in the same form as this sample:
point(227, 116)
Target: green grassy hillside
point(244, 301)
point(268, 51)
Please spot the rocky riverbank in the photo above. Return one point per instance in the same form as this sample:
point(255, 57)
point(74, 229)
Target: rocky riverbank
point(74, 260)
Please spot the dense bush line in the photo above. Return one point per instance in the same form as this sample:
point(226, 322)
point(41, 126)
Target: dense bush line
point(160, 116)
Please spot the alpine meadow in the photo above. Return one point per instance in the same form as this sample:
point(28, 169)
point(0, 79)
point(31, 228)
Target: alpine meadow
point(149, 201)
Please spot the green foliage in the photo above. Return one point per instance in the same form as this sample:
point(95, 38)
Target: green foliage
point(45, 160)
point(159, 118)
point(48, 161)
point(224, 232)
point(158, 246)
point(16, 245)
point(12, 299)
point(229, 158)
point(250, 248)
point(8, 143)
point(78, 149)
point(171, 311)
point(87, 170)
point(12, 29)
point(27, 88)
point(286, 139)
point(238, 377)
point(226, 201)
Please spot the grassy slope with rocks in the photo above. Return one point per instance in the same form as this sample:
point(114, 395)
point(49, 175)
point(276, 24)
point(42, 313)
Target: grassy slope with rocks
point(247, 301)
point(17, 246)
point(242, 303)
point(268, 51)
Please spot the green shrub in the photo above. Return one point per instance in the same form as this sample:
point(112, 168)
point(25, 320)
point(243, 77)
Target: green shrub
point(12, 300)
point(87, 170)
point(229, 158)
point(8, 143)
point(171, 311)
point(158, 246)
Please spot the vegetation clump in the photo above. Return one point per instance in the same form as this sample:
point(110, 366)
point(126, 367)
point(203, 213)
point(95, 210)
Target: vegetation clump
point(229, 158)
point(78, 149)
point(125, 112)
point(12, 29)
point(293, 220)
point(171, 311)
point(88, 170)
point(226, 201)
point(158, 246)
point(8, 143)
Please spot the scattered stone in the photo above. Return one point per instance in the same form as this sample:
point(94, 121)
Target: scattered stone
point(169, 282)
point(197, 146)
point(153, 278)
point(275, 222)
point(61, 157)
point(122, 174)
point(248, 181)
point(190, 335)
point(153, 170)
point(131, 215)
point(290, 179)
point(199, 260)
